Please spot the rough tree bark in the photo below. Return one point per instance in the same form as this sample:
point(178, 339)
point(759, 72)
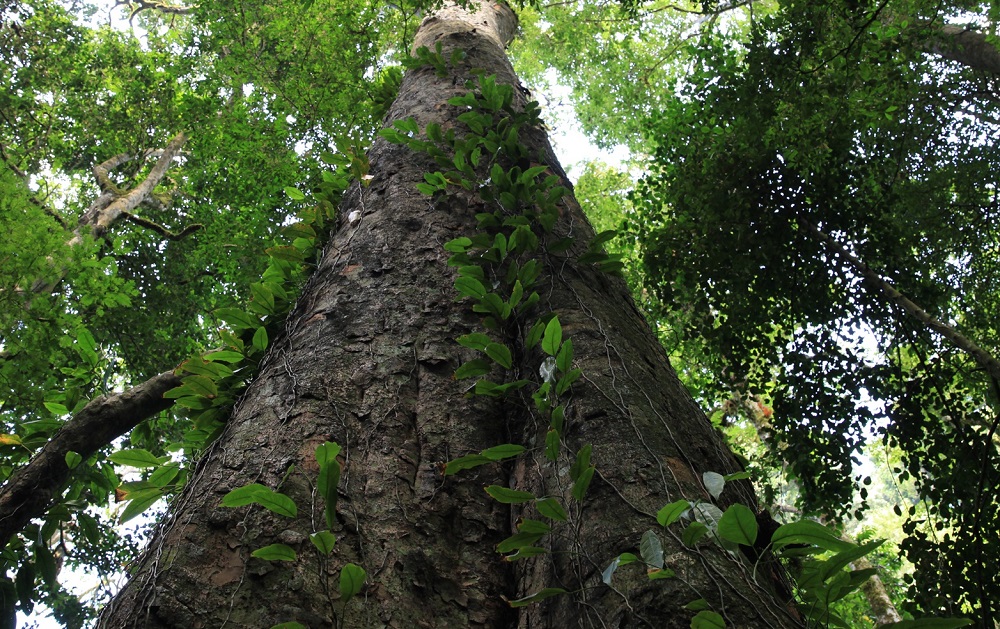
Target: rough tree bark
point(367, 360)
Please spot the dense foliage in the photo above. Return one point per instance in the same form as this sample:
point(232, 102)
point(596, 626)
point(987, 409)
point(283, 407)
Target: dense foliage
point(793, 147)
point(819, 225)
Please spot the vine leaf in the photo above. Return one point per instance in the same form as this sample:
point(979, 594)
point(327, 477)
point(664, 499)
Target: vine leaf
point(352, 579)
point(552, 338)
point(738, 524)
point(672, 512)
point(541, 595)
point(651, 550)
point(808, 532)
point(324, 541)
point(275, 552)
point(509, 496)
point(708, 620)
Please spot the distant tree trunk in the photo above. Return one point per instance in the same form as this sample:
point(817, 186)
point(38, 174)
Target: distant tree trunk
point(367, 361)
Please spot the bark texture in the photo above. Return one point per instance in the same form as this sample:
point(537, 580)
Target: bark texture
point(367, 361)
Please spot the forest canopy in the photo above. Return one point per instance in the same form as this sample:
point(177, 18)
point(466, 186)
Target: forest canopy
point(808, 220)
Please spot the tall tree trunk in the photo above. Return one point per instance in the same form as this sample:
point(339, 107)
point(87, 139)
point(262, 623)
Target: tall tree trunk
point(367, 361)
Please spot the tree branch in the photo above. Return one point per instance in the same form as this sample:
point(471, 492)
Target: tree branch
point(31, 489)
point(160, 229)
point(100, 217)
point(968, 47)
point(984, 359)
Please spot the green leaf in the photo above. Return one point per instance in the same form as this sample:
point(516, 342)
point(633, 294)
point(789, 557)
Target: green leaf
point(694, 532)
point(551, 509)
point(275, 552)
point(567, 380)
point(583, 483)
point(475, 340)
point(56, 409)
point(238, 319)
point(525, 552)
point(708, 620)
point(294, 194)
point(534, 335)
point(552, 445)
point(73, 459)
point(352, 579)
point(86, 346)
point(651, 550)
point(458, 245)
point(260, 339)
point(134, 458)
point(329, 479)
point(541, 595)
point(467, 462)
point(262, 297)
point(842, 559)
point(24, 584)
point(672, 512)
point(581, 463)
point(696, 605)
point(505, 451)
point(324, 541)
point(242, 496)
point(327, 453)
point(558, 418)
point(564, 360)
point(811, 533)
point(518, 540)
point(506, 495)
point(552, 339)
point(738, 524)
point(226, 356)
point(500, 354)
point(139, 501)
point(263, 496)
point(661, 573)
point(164, 475)
point(289, 625)
point(472, 369)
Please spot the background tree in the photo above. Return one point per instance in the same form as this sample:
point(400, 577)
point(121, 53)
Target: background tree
point(819, 223)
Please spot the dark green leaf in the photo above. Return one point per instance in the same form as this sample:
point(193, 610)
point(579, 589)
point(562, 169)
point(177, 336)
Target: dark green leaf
point(551, 509)
point(672, 512)
point(509, 496)
point(541, 595)
point(134, 458)
point(352, 579)
point(324, 541)
point(275, 552)
point(738, 524)
point(707, 620)
point(552, 339)
point(583, 483)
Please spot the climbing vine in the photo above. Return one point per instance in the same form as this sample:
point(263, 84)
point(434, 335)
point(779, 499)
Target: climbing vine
point(498, 271)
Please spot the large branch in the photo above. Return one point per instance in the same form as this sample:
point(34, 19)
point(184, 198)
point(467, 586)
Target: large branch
point(30, 490)
point(968, 47)
point(104, 213)
point(984, 359)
